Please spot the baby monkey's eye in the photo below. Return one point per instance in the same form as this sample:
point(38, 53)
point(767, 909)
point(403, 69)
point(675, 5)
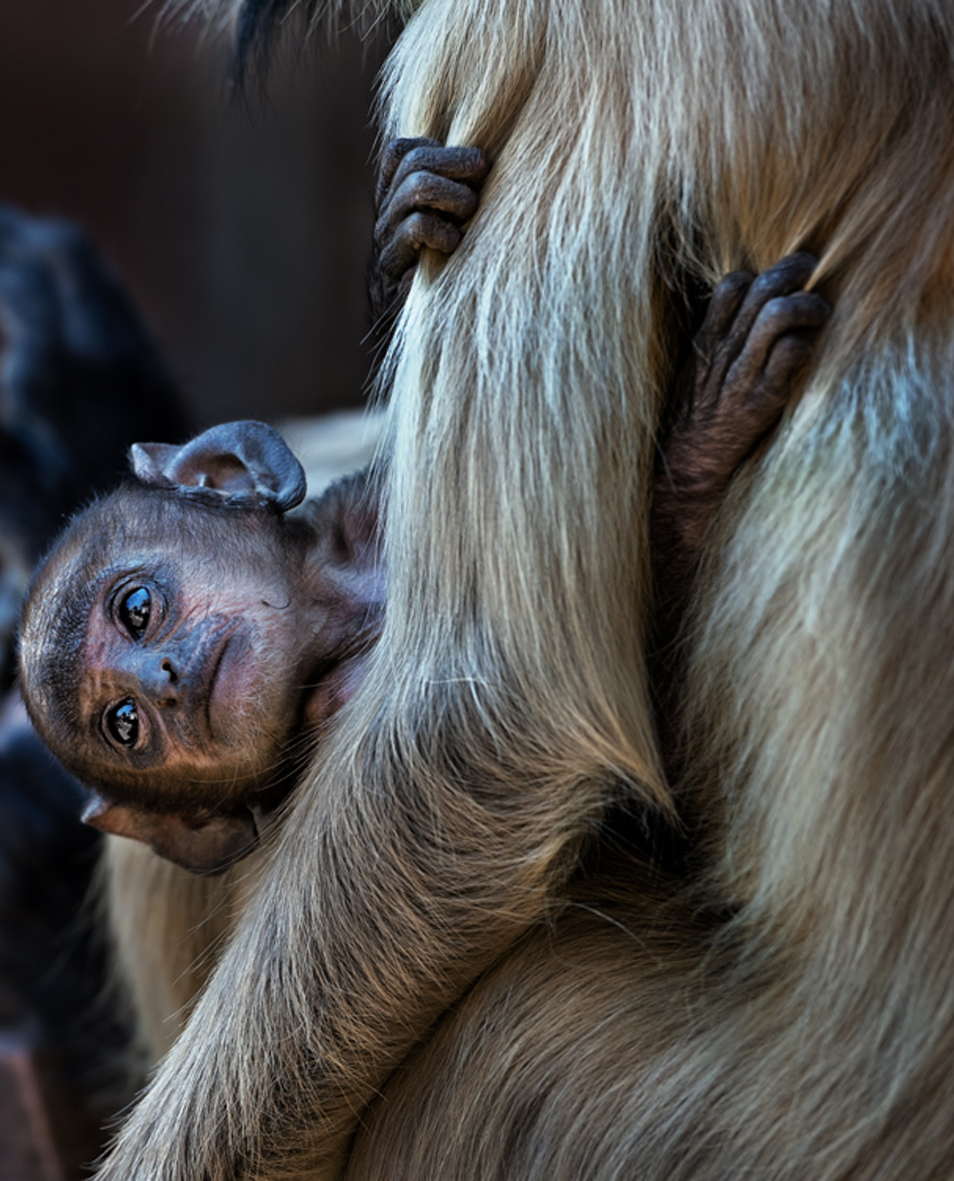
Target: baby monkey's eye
point(134, 611)
point(123, 722)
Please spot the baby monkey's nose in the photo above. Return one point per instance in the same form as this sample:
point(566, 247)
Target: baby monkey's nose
point(160, 682)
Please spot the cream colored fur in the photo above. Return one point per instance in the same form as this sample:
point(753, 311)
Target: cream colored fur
point(806, 1028)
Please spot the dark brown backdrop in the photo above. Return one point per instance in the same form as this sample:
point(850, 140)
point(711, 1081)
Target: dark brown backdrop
point(241, 228)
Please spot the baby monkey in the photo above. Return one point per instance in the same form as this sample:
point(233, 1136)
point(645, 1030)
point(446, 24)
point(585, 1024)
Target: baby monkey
point(187, 638)
point(185, 633)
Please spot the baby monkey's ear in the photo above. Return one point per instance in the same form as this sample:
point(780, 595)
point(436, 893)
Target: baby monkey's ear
point(243, 462)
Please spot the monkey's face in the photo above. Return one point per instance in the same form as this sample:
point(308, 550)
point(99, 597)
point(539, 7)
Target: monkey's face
point(177, 654)
point(190, 675)
point(165, 652)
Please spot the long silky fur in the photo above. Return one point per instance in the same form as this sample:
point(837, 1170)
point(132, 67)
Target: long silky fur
point(807, 1029)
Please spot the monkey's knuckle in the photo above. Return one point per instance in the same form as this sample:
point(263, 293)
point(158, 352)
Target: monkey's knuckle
point(814, 309)
point(400, 147)
point(788, 353)
point(768, 283)
point(468, 162)
point(396, 150)
point(789, 274)
point(733, 283)
point(448, 238)
point(414, 226)
point(381, 232)
point(480, 162)
point(800, 261)
point(420, 187)
point(419, 159)
point(434, 231)
point(467, 201)
point(776, 314)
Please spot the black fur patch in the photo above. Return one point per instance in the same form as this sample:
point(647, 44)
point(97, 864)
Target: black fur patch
point(258, 24)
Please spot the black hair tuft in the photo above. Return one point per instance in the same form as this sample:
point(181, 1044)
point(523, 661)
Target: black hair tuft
point(258, 23)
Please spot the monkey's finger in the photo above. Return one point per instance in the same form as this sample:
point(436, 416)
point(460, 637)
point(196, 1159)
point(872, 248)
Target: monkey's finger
point(724, 303)
point(467, 165)
point(789, 355)
point(744, 429)
point(419, 230)
point(696, 390)
point(400, 254)
point(427, 229)
point(802, 311)
point(783, 278)
point(394, 152)
point(423, 192)
point(773, 392)
point(712, 452)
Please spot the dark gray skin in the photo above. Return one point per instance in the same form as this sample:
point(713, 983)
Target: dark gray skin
point(425, 195)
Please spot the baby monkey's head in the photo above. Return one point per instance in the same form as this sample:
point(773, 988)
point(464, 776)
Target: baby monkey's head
point(184, 636)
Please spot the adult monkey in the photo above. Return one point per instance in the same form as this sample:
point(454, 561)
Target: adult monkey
point(805, 1027)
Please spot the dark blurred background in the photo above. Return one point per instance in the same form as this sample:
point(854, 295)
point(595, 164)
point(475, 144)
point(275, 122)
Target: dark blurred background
point(240, 225)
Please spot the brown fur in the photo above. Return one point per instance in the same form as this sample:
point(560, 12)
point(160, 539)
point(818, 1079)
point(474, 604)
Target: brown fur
point(790, 1012)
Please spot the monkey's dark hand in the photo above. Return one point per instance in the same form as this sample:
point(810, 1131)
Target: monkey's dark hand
point(80, 379)
point(756, 335)
point(425, 193)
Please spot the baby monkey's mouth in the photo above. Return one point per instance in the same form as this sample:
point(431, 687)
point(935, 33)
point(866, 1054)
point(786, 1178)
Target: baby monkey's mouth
point(203, 842)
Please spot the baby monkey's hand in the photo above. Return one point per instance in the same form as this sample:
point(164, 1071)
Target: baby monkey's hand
point(425, 193)
point(756, 336)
